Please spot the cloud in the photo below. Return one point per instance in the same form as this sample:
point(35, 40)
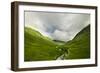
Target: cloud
point(58, 26)
point(61, 35)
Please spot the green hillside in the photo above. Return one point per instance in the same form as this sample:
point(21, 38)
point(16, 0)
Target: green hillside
point(41, 48)
point(38, 47)
point(79, 47)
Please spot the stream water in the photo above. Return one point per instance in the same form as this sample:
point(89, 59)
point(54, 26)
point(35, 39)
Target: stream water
point(62, 57)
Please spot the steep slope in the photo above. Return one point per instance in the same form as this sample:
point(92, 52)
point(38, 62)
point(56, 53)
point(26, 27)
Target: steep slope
point(79, 47)
point(38, 47)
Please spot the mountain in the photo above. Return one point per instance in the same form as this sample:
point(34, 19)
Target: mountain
point(79, 46)
point(38, 47)
point(59, 42)
point(41, 48)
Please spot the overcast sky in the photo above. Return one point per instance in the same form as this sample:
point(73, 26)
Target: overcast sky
point(58, 26)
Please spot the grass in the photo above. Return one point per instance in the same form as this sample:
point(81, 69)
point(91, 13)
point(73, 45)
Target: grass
point(79, 47)
point(37, 47)
point(41, 48)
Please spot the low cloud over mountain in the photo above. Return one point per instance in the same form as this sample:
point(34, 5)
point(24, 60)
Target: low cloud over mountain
point(58, 26)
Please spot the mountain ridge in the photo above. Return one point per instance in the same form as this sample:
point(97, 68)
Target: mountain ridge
point(40, 48)
point(37, 47)
point(79, 46)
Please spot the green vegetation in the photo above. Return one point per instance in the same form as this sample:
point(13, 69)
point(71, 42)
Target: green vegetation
point(79, 47)
point(40, 48)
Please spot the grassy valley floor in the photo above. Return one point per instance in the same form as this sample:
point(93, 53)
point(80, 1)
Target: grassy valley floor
point(40, 48)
